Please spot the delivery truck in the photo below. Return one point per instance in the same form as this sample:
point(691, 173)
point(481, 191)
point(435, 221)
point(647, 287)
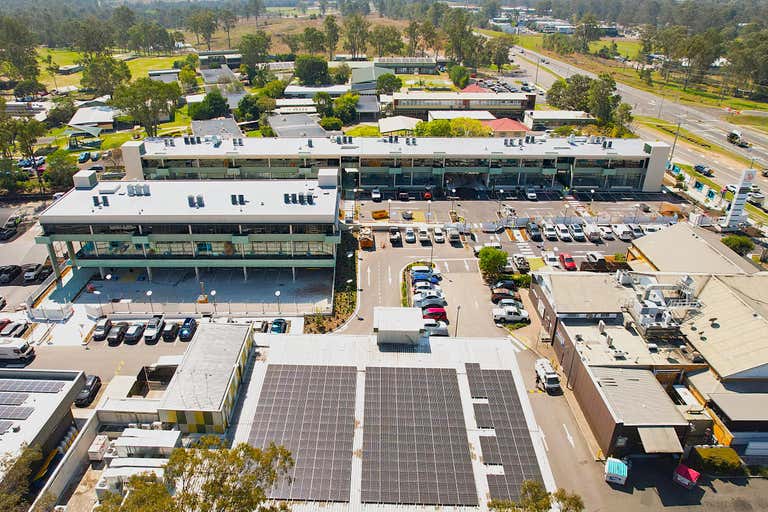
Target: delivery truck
point(16, 349)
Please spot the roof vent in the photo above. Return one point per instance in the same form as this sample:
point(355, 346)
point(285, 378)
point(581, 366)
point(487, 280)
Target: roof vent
point(309, 143)
point(301, 199)
point(131, 190)
point(145, 188)
point(95, 200)
point(293, 198)
point(310, 199)
point(200, 201)
point(240, 199)
point(287, 198)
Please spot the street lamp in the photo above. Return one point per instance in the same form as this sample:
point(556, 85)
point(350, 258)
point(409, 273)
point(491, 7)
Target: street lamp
point(456, 327)
point(501, 196)
point(389, 209)
point(591, 197)
point(636, 207)
point(149, 296)
point(565, 213)
point(277, 294)
point(429, 210)
point(213, 296)
point(453, 197)
point(101, 305)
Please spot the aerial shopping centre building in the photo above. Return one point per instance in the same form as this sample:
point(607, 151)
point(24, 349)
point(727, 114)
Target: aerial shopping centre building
point(409, 163)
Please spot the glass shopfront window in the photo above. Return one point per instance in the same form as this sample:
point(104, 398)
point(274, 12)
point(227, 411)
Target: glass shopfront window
point(217, 250)
point(165, 229)
point(266, 229)
point(115, 229)
point(170, 249)
point(216, 229)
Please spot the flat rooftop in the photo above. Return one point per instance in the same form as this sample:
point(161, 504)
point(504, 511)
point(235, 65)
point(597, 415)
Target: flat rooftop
point(259, 148)
point(397, 319)
point(584, 292)
point(168, 202)
point(201, 381)
point(456, 96)
point(482, 115)
point(296, 125)
point(558, 114)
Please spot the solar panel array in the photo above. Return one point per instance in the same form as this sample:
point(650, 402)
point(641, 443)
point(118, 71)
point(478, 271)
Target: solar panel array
point(11, 412)
point(512, 446)
point(13, 398)
point(5, 426)
point(415, 446)
point(311, 411)
point(31, 386)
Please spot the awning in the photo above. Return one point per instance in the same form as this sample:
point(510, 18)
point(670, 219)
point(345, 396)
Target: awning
point(659, 440)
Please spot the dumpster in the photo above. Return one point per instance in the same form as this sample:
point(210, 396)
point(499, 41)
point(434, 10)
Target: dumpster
point(616, 471)
point(685, 476)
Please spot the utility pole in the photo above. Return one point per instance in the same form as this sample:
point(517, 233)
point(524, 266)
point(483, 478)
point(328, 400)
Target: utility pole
point(674, 144)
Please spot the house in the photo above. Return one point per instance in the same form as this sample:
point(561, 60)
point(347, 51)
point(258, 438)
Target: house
point(506, 127)
point(98, 116)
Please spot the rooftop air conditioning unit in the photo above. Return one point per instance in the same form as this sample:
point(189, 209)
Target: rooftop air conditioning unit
point(601, 327)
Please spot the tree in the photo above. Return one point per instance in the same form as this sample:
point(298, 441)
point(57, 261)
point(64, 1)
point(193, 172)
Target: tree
point(311, 70)
point(10, 175)
point(428, 36)
point(121, 20)
point(345, 107)
point(492, 262)
point(323, 7)
point(535, 498)
point(386, 40)
point(254, 48)
point(586, 31)
point(324, 103)
point(571, 93)
point(457, 25)
point(500, 48)
point(388, 83)
point(52, 68)
point(331, 123)
point(274, 89)
point(332, 33)
point(252, 106)
point(459, 75)
point(27, 87)
point(103, 74)
point(17, 470)
point(60, 167)
point(466, 127)
point(602, 98)
point(188, 79)
point(213, 105)
point(18, 54)
point(568, 501)
point(228, 21)
point(207, 25)
point(209, 476)
point(622, 118)
point(294, 42)
point(255, 9)
point(739, 244)
point(92, 36)
point(145, 100)
point(313, 40)
point(412, 33)
point(436, 128)
point(355, 34)
point(340, 74)
point(63, 110)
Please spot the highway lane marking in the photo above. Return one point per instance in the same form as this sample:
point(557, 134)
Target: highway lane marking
point(568, 436)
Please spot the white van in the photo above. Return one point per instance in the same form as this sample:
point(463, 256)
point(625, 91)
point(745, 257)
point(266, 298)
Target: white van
point(592, 232)
point(622, 232)
point(547, 376)
point(15, 349)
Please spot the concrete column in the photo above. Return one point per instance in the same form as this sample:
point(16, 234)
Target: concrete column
point(54, 262)
point(71, 252)
point(293, 271)
point(149, 274)
point(102, 273)
point(245, 273)
point(197, 273)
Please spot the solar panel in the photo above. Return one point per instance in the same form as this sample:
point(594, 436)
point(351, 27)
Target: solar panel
point(13, 398)
point(511, 446)
point(32, 386)
point(311, 411)
point(415, 446)
point(11, 412)
point(5, 426)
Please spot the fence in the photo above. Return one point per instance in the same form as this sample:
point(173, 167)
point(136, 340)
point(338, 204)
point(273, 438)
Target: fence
point(51, 313)
point(243, 309)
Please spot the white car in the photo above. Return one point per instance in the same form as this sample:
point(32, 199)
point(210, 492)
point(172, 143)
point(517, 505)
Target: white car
point(563, 233)
point(422, 286)
point(606, 233)
point(622, 232)
point(550, 233)
point(426, 294)
point(577, 232)
point(436, 327)
point(550, 259)
point(376, 195)
point(637, 231)
point(438, 235)
point(410, 236)
point(423, 235)
point(595, 257)
point(650, 228)
point(530, 194)
point(731, 188)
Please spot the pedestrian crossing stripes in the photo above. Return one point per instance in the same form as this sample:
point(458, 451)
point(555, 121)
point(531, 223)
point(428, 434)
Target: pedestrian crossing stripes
point(525, 249)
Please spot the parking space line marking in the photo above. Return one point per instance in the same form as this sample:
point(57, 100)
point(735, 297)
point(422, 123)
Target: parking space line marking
point(389, 274)
point(445, 264)
point(544, 440)
point(369, 277)
point(466, 265)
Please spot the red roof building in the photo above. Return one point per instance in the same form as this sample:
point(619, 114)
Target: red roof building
point(506, 127)
point(475, 88)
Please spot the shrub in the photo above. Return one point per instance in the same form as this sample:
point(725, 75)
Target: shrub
point(331, 123)
point(492, 262)
point(739, 244)
point(719, 460)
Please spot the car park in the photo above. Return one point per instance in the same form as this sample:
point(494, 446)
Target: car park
point(550, 233)
point(117, 333)
point(394, 235)
point(622, 232)
point(88, 393)
point(279, 326)
point(562, 233)
point(430, 302)
point(32, 272)
point(505, 283)
point(534, 231)
point(420, 286)
point(438, 235)
point(436, 327)
point(476, 249)
point(498, 294)
point(170, 331)
point(188, 329)
point(154, 329)
point(424, 236)
point(577, 233)
point(100, 332)
point(596, 257)
point(606, 233)
point(567, 262)
point(8, 273)
point(435, 314)
point(410, 236)
point(134, 333)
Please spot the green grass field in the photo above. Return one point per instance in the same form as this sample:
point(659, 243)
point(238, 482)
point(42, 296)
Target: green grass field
point(363, 130)
point(753, 121)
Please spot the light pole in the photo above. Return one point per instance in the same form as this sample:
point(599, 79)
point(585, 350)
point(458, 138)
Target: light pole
point(101, 304)
point(277, 294)
point(389, 209)
point(149, 296)
point(453, 197)
point(108, 277)
point(501, 196)
point(565, 213)
point(591, 198)
point(674, 143)
point(213, 296)
point(429, 210)
point(431, 252)
point(536, 80)
point(456, 327)
point(636, 207)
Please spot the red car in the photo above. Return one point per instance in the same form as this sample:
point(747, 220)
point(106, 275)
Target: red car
point(567, 262)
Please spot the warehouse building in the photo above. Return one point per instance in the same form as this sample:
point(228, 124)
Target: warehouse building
point(409, 163)
point(201, 224)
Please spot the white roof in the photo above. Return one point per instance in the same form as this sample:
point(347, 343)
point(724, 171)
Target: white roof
point(397, 319)
point(294, 102)
point(168, 203)
point(93, 115)
point(301, 90)
point(256, 147)
point(558, 114)
point(482, 115)
point(397, 124)
point(424, 95)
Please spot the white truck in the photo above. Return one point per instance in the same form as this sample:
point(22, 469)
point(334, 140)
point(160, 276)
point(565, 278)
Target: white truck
point(546, 376)
point(509, 315)
point(15, 349)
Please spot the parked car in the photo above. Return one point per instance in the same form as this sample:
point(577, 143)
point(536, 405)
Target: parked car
point(8, 273)
point(703, 169)
point(498, 294)
point(438, 235)
point(394, 235)
point(154, 329)
point(3, 302)
point(427, 294)
point(8, 233)
point(419, 286)
point(606, 233)
point(521, 262)
point(567, 262)
point(96, 168)
point(636, 230)
point(534, 231)
point(595, 257)
point(32, 272)
point(426, 269)
point(117, 333)
point(503, 303)
point(279, 326)
point(134, 332)
point(89, 391)
point(550, 233)
point(95, 156)
point(592, 232)
point(435, 314)
point(170, 331)
point(577, 233)
point(376, 195)
point(424, 236)
point(407, 215)
point(622, 232)
point(100, 332)
point(10, 329)
point(550, 259)
point(83, 157)
point(422, 276)
point(530, 194)
point(563, 233)
point(188, 329)
point(731, 187)
point(436, 327)
point(509, 314)
point(505, 283)
point(17, 350)
point(410, 236)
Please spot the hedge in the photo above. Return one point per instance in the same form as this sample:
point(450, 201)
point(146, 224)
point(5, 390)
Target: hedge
point(718, 460)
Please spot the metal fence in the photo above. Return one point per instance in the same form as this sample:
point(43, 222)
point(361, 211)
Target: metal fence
point(242, 309)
